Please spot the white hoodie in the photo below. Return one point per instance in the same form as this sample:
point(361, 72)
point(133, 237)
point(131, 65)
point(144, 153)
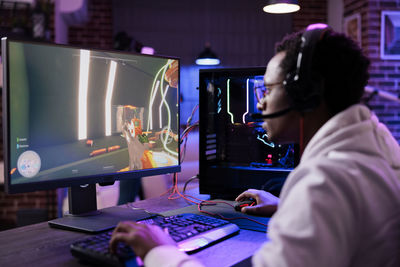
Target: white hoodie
point(339, 207)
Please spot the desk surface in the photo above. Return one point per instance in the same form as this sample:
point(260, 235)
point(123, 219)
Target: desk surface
point(40, 245)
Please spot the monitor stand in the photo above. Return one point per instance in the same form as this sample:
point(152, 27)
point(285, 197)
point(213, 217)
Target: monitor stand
point(84, 216)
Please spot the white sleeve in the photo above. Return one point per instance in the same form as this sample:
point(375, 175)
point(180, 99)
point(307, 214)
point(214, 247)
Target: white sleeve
point(169, 256)
point(314, 224)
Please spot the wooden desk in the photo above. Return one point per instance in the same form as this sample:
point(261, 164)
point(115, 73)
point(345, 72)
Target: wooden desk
point(40, 245)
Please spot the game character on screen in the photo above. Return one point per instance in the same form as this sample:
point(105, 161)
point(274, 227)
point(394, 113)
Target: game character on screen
point(172, 74)
point(138, 146)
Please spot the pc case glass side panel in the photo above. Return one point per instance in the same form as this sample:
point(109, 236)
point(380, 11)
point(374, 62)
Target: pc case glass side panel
point(243, 157)
point(130, 103)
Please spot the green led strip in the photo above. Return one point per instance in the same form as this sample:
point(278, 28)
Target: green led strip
point(228, 82)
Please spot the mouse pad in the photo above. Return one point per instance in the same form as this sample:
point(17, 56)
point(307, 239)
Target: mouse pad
point(238, 218)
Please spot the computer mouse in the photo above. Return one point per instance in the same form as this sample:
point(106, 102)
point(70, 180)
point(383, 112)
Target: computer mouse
point(245, 203)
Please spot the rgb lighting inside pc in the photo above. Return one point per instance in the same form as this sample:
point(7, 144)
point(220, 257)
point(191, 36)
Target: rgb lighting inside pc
point(235, 153)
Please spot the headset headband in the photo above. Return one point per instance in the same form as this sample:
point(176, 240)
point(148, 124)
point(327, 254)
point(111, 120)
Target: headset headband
point(302, 85)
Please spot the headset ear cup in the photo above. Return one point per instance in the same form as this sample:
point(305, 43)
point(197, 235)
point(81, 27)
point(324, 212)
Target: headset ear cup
point(292, 89)
point(303, 96)
point(303, 85)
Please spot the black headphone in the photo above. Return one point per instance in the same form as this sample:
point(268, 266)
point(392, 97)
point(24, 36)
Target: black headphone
point(303, 85)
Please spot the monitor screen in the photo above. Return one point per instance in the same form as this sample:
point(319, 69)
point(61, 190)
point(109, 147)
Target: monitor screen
point(75, 116)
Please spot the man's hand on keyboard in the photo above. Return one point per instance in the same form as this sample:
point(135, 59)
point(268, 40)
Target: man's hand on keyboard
point(266, 202)
point(141, 237)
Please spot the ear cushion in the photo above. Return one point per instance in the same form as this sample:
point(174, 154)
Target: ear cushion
point(305, 96)
point(303, 85)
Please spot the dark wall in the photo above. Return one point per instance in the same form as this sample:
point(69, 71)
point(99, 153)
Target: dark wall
point(239, 31)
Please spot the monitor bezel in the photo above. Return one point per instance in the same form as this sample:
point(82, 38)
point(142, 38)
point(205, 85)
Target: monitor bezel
point(107, 178)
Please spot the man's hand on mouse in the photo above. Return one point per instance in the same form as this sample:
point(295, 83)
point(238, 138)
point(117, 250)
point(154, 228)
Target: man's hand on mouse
point(266, 203)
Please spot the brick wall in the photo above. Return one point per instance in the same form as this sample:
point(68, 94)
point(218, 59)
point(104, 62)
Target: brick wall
point(98, 31)
point(311, 11)
point(385, 74)
point(17, 209)
point(25, 205)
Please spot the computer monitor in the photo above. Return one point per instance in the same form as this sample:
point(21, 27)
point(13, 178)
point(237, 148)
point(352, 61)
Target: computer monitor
point(74, 117)
point(235, 153)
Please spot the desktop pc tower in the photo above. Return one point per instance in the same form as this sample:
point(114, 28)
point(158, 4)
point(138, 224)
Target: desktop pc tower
point(235, 153)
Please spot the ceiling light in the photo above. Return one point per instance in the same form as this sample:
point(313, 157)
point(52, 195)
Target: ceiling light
point(281, 6)
point(207, 57)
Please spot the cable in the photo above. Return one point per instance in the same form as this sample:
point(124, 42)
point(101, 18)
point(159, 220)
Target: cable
point(183, 139)
point(301, 130)
point(192, 114)
point(188, 181)
point(201, 203)
point(188, 129)
point(185, 134)
point(130, 205)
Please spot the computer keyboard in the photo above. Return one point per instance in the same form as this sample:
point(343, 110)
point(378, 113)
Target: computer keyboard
point(95, 250)
point(191, 232)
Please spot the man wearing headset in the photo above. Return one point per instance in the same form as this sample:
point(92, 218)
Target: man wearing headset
point(341, 205)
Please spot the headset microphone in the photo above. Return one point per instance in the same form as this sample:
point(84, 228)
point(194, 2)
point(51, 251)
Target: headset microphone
point(259, 116)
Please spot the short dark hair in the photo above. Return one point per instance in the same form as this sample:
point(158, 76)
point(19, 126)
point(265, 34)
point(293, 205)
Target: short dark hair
point(338, 60)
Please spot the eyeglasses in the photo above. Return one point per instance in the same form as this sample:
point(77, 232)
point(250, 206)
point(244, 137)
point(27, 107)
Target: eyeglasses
point(262, 90)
